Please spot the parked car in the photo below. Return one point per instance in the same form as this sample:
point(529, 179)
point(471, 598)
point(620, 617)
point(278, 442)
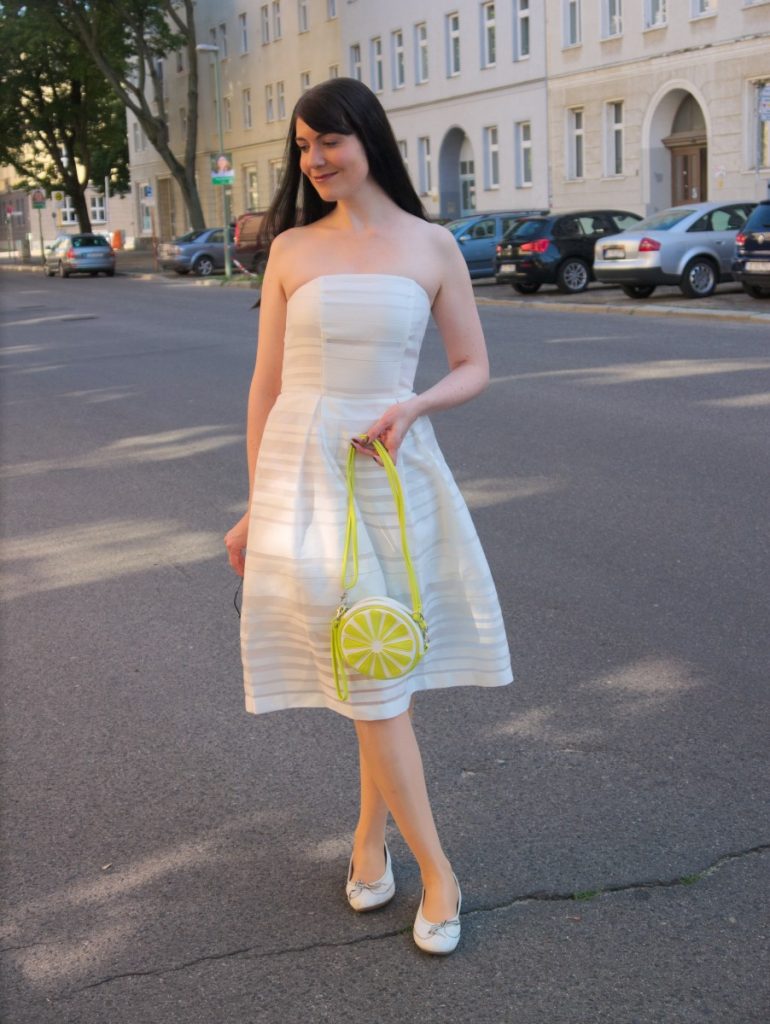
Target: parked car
point(557, 249)
point(690, 245)
point(199, 251)
point(249, 249)
point(479, 235)
point(751, 260)
point(79, 254)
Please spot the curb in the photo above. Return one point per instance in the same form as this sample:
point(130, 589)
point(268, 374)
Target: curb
point(726, 315)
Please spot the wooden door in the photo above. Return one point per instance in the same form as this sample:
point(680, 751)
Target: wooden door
point(688, 177)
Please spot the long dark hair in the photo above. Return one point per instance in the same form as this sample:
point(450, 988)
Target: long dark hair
point(344, 106)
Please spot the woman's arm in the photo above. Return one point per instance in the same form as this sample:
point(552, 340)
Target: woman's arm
point(263, 391)
point(455, 313)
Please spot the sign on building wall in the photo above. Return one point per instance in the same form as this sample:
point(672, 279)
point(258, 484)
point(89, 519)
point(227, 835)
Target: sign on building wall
point(222, 172)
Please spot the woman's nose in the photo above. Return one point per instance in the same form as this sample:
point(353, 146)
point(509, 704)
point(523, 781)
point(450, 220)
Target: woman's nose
point(316, 156)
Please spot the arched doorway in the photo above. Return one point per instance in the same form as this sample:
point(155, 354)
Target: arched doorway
point(456, 175)
point(678, 153)
point(687, 144)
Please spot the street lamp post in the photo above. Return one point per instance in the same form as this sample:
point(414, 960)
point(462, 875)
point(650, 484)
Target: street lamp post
point(214, 49)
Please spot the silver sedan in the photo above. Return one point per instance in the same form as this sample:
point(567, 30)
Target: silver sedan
point(690, 245)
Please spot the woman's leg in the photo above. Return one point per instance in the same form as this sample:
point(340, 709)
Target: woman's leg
point(394, 765)
point(369, 838)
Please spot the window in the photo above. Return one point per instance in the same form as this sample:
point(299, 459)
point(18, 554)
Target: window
point(702, 8)
point(280, 97)
point(488, 36)
point(575, 149)
point(243, 29)
point(275, 168)
point(222, 41)
point(426, 178)
point(331, 9)
point(145, 210)
point(277, 31)
point(251, 184)
point(522, 138)
point(571, 9)
point(213, 37)
point(376, 62)
point(612, 18)
point(520, 29)
point(136, 136)
point(355, 61)
point(98, 209)
point(614, 138)
point(302, 15)
point(227, 114)
point(269, 111)
point(180, 61)
point(304, 81)
point(68, 215)
point(246, 105)
point(421, 52)
point(264, 25)
point(397, 46)
point(334, 71)
point(453, 44)
point(761, 129)
point(654, 13)
point(403, 151)
point(491, 158)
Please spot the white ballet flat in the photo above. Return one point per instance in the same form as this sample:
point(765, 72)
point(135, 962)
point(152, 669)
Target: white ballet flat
point(363, 896)
point(438, 938)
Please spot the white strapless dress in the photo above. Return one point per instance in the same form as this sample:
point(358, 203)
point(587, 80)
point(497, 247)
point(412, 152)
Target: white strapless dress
point(351, 349)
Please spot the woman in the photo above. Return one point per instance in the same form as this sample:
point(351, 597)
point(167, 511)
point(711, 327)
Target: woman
point(355, 271)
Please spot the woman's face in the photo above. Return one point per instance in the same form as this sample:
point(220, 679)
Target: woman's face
point(336, 164)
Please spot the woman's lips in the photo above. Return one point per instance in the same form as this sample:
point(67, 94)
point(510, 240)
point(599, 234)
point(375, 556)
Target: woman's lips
point(324, 177)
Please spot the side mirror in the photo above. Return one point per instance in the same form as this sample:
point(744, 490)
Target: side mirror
point(464, 238)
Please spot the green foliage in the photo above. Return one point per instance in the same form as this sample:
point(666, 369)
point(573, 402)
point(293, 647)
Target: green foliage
point(60, 123)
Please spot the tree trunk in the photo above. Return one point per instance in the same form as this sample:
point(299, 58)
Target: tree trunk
point(77, 195)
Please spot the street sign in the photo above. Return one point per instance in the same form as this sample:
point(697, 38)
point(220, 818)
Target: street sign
point(222, 172)
point(58, 196)
point(764, 103)
point(38, 199)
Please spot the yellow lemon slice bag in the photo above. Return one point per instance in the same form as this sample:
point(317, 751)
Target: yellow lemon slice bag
point(377, 637)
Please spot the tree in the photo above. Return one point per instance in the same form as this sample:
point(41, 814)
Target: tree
point(127, 40)
point(60, 124)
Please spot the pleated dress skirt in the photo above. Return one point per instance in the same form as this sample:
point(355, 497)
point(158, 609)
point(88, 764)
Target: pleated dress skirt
point(351, 350)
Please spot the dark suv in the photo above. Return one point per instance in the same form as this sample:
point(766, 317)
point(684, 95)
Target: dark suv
point(557, 249)
point(751, 264)
point(249, 250)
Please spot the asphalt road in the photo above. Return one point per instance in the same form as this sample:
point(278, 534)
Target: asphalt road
point(168, 858)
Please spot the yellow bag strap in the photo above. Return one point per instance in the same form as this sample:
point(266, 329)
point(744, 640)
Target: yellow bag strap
point(351, 528)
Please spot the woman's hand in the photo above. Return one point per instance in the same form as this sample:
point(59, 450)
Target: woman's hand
point(235, 542)
point(391, 429)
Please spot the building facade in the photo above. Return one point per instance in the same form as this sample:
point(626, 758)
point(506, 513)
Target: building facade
point(653, 103)
point(519, 104)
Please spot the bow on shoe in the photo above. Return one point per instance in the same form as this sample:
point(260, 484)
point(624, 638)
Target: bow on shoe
point(444, 926)
point(360, 887)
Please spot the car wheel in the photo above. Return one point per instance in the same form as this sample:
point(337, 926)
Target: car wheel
point(62, 271)
point(48, 271)
point(573, 276)
point(525, 287)
point(203, 266)
point(756, 292)
point(182, 270)
point(94, 273)
point(638, 291)
point(699, 278)
point(110, 273)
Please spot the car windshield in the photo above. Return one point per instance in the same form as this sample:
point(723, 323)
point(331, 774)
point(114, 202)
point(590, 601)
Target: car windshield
point(86, 241)
point(759, 220)
point(665, 220)
point(457, 225)
point(526, 229)
point(189, 237)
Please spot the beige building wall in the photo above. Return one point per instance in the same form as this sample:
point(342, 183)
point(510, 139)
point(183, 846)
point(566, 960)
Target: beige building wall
point(631, 77)
point(274, 50)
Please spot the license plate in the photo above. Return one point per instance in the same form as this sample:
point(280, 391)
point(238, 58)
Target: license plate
point(614, 253)
point(507, 268)
point(758, 266)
